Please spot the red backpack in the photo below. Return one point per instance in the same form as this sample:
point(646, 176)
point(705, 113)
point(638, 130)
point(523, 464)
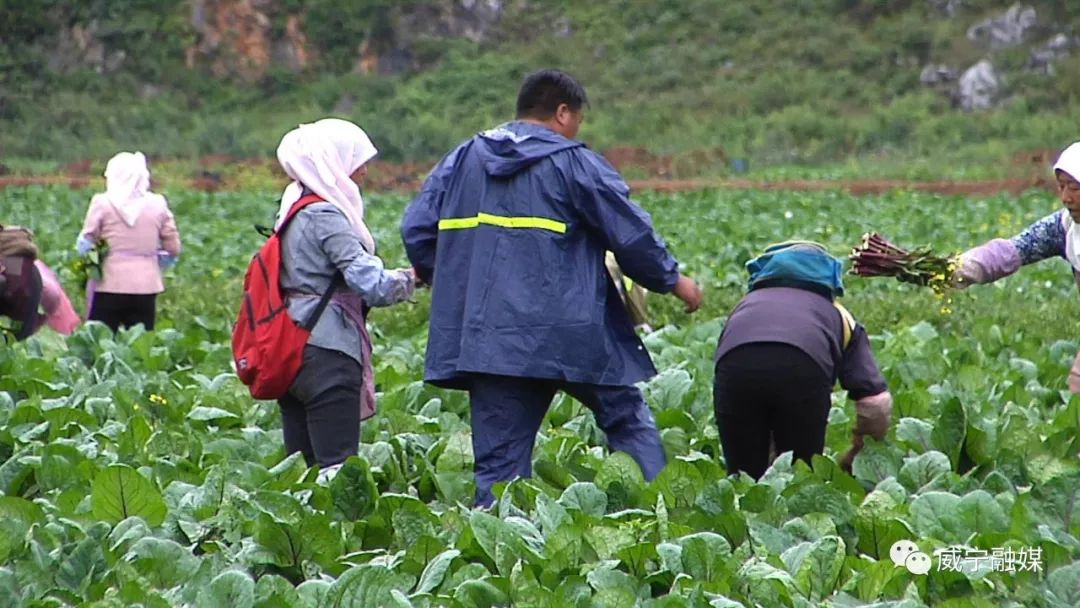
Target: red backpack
point(267, 345)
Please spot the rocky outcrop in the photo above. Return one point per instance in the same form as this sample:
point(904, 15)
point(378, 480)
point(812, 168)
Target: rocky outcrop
point(234, 37)
point(394, 49)
point(79, 47)
point(1042, 58)
point(937, 74)
point(979, 87)
point(948, 8)
point(1006, 30)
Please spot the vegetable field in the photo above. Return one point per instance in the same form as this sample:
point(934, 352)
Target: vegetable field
point(137, 471)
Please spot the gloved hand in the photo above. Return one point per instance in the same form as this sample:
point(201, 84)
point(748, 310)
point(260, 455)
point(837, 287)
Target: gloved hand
point(873, 414)
point(166, 261)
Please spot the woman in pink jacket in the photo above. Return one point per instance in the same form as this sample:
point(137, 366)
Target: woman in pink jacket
point(141, 236)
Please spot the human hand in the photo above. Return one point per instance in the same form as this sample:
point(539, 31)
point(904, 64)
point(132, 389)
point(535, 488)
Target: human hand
point(166, 261)
point(849, 457)
point(689, 292)
point(412, 274)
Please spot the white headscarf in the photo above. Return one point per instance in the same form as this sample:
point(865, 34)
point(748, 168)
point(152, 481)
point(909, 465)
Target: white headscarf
point(322, 156)
point(126, 183)
point(1069, 162)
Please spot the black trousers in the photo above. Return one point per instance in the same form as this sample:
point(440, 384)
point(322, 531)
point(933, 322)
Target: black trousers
point(766, 391)
point(124, 309)
point(320, 415)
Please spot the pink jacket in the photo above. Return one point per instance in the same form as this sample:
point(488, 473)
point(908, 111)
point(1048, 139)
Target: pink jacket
point(131, 266)
point(59, 313)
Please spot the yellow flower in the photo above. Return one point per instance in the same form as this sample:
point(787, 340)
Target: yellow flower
point(160, 399)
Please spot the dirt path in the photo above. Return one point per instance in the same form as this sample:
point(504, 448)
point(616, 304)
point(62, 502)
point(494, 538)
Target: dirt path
point(222, 174)
point(856, 187)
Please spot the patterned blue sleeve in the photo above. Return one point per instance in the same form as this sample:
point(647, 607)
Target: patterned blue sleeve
point(1043, 239)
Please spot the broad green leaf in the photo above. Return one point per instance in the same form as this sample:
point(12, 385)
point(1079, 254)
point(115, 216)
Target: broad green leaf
point(213, 414)
point(366, 586)
point(120, 492)
point(669, 389)
point(354, 490)
point(981, 513)
point(922, 469)
point(950, 428)
point(315, 538)
point(872, 581)
point(815, 567)
point(129, 531)
point(875, 462)
point(621, 479)
point(915, 432)
point(479, 594)
point(584, 496)
point(766, 584)
point(1064, 585)
point(83, 564)
point(230, 589)
point(272, 591)
point(814, 497)
point(314, 593)
point(435, 571)
point(457, 455)
point(502, 543)
point(409, 518)
point(937, 515)
point(607, 541)
point(703, 556)
point(680, 482)
point(164, 562)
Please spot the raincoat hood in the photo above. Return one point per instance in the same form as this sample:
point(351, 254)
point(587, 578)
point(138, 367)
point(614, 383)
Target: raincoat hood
point(515, 146)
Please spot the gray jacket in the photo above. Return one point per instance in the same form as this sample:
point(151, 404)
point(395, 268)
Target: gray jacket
point(317, 246)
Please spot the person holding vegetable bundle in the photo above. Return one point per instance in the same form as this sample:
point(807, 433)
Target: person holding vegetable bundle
point(1056, 235)
point(783, 348)
point(511, 230)
point(139, 231)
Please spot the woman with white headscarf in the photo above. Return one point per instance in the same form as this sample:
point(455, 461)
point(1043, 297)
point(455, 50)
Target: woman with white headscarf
point(1056, 235)
point(327, 247)
point(140, 233)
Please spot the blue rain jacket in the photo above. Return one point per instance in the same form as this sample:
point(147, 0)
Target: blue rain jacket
point(510, 229)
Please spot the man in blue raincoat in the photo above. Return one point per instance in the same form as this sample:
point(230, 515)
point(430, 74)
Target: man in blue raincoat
point(510, 230)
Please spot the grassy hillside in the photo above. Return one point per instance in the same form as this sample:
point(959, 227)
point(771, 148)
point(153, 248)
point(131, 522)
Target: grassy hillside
point(779, 82)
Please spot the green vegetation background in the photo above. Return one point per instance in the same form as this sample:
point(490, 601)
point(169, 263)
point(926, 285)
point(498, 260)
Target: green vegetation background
point(778, 82)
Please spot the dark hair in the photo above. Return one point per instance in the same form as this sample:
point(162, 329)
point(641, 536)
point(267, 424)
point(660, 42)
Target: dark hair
point(542, 92)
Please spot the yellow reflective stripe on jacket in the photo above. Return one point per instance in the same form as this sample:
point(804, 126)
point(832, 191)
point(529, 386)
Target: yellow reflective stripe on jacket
point(848, 322)
point(458, 223)
point(542, 223)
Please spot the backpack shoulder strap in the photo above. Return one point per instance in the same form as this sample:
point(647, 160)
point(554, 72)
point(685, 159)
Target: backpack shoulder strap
point(848, 322)
point(297, 207)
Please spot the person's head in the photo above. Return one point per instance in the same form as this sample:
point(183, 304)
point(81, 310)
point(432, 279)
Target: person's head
point(126, 176)
point(554, 99)
point(324, 151)
point(1067, 174)
point(329, 158)
point(802, 264)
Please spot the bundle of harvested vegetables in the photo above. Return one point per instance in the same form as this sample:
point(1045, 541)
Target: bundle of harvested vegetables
point(877, 257)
